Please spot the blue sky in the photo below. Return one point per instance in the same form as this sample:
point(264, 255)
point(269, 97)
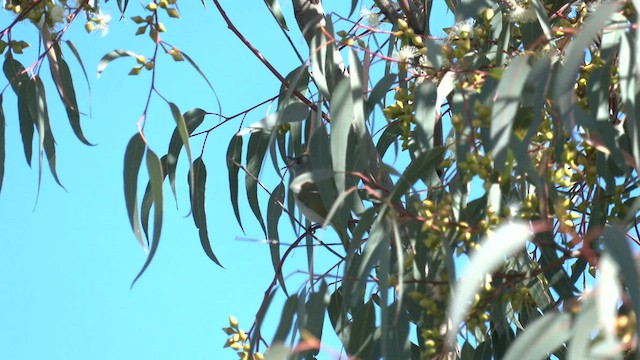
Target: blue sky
point(66, 267)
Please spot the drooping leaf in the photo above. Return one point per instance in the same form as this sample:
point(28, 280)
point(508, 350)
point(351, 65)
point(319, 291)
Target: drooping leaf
point(132, 161)
point(418, 167)
point(470, 8)
point(506, 240)
point(276, 11)
point(286, 319)
point(506, 106)
point(274, 211)
point(154, 167)
point(362, 332)
point(234, 159)
point(256, 151)
point(615, 241)
point(542, 337)
point(565, 78)
point(40, 112)
point(343, 115)
point(379, 92)
point(192, 119)
point(183, 132)
point(113, 55)
point(25, 91)
point(198, 189)
point(2, 142)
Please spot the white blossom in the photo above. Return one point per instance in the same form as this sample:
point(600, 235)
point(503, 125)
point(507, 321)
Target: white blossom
point(56, 14)
point(464, 27)
point(521, 12)
point(407, 53)
point(102, 22)
point(372, 18)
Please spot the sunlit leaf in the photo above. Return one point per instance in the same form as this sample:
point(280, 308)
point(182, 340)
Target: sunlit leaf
point(155, 179)
point(132, 161)
point(192, 119)
point(504, 241)
point(256, 151)
point(276, 11)
point(197, 187)
point(542, 337)
point(234, 159)
point(113, 55)
point(2, 142)
point(274, 211)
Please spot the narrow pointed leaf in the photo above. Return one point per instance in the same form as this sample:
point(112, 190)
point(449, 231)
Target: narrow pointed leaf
point(256, 151)
point(234, 159)
point(132, 161)
point(542, 337)
point(72, 106)
point(192, 118)
point(181, 129)
point(155, 179)
point(274, 211)
point(504, 242)
point(2, 150)
point(115, 54)
point(198, 189)
point(25, 91)
point(506, 106)
point(47, 140)
point(276, 11)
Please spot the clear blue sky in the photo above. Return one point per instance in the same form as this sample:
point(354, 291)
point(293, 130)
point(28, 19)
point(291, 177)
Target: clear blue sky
point(66, 267)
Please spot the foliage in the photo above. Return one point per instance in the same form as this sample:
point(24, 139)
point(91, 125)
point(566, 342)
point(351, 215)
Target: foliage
point(517, 146)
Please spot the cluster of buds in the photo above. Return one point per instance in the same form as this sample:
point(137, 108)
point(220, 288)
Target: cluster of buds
point(238, 340)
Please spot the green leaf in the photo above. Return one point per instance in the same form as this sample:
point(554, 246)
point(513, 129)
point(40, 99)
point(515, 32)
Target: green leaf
point(286, 319)
point(470, 8)
point(506, 239)
point(542, 337)
point(122, 6)
point(2, 141)
point(426, 114)
point(47, 142)
point(181, 129)
point(234, 159)
point(278, 351)
point(312, 319)
point(379, 92)
point(115, 54)
point(376, 251)
point(256, 151)
point(25, 91)
point(72, 106)
point(566, 75)
point(506, 106)
point(198, 189)
point(154, 168)
point(195, 66)
point(342, 111)
point(192, 119)
point(362, 332)
point(274, 211)
point(418, 167)
point(276, 11)
point(615, 241)
point(132, 161)
point(389, 136)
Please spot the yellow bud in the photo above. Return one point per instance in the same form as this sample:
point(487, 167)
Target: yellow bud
point(488, 14)
point(152, 6)
point(259, 356)
point(233, 321)
point(236, 346)
point(402, 24)
point(89, 26)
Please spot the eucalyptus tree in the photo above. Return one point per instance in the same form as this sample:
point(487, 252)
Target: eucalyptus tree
point(482, 184)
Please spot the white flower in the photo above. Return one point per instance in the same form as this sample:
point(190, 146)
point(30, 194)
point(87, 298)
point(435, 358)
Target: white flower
point(102, 21)
point(423, 60)
point(373, 19)
point(56, 14)
point(463, 28)
point(407, 53)
point(519, 12)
